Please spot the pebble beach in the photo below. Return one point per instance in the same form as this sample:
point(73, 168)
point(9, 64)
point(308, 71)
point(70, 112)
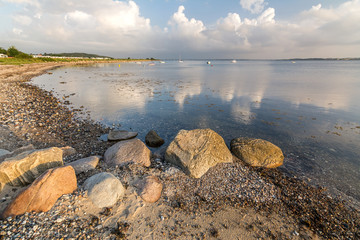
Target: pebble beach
point(231, 201)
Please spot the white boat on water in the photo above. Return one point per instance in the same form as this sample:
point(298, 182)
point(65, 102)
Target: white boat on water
point(208, 62)
point(233, 61)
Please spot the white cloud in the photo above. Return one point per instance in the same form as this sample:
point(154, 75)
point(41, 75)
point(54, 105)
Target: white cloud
point(185, 27)
point(117, 28)
point(254, 6)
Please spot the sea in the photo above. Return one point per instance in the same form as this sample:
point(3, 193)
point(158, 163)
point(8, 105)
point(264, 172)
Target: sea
point(309, 108)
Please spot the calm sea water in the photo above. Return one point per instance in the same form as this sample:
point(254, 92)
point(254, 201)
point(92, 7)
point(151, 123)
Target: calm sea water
point(311, 109)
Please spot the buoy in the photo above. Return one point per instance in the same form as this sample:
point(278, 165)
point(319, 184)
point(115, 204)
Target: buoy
point(119, 65)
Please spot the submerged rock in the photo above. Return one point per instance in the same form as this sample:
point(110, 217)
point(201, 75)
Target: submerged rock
point(152, 139)
point(257, 152)
point(130, 151)
point(27, 166)
point(42, 194)
point(104, 189)
point(118, 135)
point(197, 150)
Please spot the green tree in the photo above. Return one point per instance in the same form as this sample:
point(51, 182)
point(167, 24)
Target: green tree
point(12, 51)
point(3, 50)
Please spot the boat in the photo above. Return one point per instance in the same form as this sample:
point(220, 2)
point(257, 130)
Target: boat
point(233, 61)
point(208, 62)
point(162, 62)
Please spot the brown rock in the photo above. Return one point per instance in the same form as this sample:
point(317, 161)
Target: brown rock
point(150, 189)
point(42, 194)
point(27, 166)
point(129, 151)
point(257, 152)
point(197, 150)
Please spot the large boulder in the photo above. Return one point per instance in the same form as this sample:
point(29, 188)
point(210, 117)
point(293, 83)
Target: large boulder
point(150, 189)
point(119, 135)
point(129, 151)
point(85, 164)
point(42, 194)
point(257, 152)
point(197, 150)
point(104, 189)
point(152, 139)
point(24, 168)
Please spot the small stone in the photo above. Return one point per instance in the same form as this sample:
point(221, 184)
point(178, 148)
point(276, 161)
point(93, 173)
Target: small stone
point(118, 135)
point(129, 151)
point(104, 189)
point(152, 139)
point(42, 194)
point(257, 152)
point(197, 150)
point(150, 189)
point(85, 164)
point(24, 168)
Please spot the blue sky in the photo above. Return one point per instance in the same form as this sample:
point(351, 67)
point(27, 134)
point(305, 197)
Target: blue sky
point(256, 29)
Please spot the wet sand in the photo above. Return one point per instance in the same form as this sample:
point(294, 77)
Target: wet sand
point(232, 201)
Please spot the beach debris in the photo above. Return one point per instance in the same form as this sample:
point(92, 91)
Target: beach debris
point(42, 194)
point(24, 168)
point(85, 164)
point(129, 151)
point(257, 152)
point(196, 151)
point(119, 135)
point(149, 189)
point(152, 139)
point(104, 189)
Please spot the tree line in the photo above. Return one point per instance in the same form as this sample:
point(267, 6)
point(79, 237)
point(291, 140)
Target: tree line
point(14, 52)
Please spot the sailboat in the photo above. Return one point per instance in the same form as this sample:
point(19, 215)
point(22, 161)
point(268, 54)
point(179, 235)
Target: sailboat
point(180, 61)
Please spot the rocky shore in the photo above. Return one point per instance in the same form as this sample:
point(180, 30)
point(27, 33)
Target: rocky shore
point(229, 201)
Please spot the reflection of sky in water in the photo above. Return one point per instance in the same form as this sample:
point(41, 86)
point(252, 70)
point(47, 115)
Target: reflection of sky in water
point(309, 108)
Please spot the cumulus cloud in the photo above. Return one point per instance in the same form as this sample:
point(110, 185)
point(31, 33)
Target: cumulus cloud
point(118, 28)
point(254, 6)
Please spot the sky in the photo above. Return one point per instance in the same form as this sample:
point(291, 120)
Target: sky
point(229, 29)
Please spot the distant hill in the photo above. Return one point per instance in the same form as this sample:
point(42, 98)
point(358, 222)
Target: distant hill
point(79, 55)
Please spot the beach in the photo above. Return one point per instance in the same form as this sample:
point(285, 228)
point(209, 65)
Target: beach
point(231, 201)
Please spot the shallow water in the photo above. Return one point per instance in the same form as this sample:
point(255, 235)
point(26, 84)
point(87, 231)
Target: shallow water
point(309, 108)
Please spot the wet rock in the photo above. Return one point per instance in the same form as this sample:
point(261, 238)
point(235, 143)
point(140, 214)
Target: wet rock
point(104, 189)
point(150, 189)
point(42, 194)
point(27, 166)
point(197, 150)
point(118, 135)
point(85, 164)
point(130, 151)
point(257, 152)
point(152, 139)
